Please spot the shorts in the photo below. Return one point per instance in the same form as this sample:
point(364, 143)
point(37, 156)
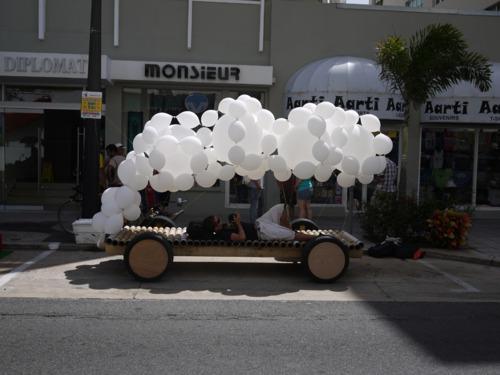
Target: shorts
point(305, 195)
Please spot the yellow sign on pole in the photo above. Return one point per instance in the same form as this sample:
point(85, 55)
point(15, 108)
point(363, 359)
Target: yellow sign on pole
point(91, 104)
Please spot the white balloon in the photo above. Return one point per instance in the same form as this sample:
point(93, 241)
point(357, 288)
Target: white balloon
point(339, 116)
point(269, 144)
point(131, 155)
point(359, 143)
point(304, 170)
point(310, 107)
point(382, 144)
point(180, 132)
point(224, 105)
point(205, 179)
point(209, 118)
point(365, 179)
point(149, 134)
point(265, 119)
point(211, 155)
point(167, 144)
point(296, 146)
point(316, 125)
point(370, 122)
point(381, 163)
point(345, 180)
point(236, 155)
point(124, 196)
point(137, 198)
point(351, 118)
point(220, 138)
point(237, 109)
point(142, 165)
point(334, 157)
point(280, 126)
point(156, 159)
point(253, 105)
point(277, 163)
point(214, 169)
point(283, 175)
point(322, 173)
point(110, 208)
point(132, 212)
point(188, 119)
point(199, 162)
point(339, 137)
point(350, 165)
point(98, 222)
point(370, 165)
point(320, 151)
point(126, 171)
point(160, 122)
point(178, 163)
point(251, 162)
point(299, 116)
point(191, 145)
point(205, 136)
point(113, 224)
point(226, 173)
point(162, 181)
point(252, 141)
point(325, 110)
point(109, 194)
point(236, 131)
point(138, 182)
point(184, 182)
point(140, 144)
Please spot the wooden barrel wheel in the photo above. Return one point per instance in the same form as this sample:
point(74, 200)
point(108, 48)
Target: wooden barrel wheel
point(148, 256)
point(303, 224)
point(325, 258)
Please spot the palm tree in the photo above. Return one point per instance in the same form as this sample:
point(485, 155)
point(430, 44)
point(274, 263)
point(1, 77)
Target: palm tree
point(431, 61)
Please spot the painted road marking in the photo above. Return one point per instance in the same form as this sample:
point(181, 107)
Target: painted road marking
point(6, 278)
point(466, 286)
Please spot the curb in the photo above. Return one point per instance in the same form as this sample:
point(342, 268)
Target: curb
point(62, 246)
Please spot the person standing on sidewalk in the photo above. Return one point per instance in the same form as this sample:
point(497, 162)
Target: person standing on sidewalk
point(304, 196)
point(255, 188)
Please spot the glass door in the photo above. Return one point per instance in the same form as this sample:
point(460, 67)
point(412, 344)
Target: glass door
point(22, 153)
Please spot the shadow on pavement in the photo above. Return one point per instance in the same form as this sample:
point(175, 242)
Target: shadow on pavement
point(230, 279)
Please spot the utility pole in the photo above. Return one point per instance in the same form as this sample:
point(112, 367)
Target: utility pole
point(90, 180)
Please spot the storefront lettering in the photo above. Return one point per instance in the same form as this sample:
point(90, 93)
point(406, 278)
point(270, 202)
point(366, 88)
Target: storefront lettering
point(459, 108)
point(393, 105)
point(290, 103)
point(191, 72)
point(486, 107)
point(357, 104)
point(55, 65)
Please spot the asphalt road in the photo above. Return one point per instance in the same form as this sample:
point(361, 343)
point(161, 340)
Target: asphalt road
point(248, 337)
point(81, 313)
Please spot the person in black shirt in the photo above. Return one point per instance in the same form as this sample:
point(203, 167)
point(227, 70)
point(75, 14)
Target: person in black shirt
point(235, 231)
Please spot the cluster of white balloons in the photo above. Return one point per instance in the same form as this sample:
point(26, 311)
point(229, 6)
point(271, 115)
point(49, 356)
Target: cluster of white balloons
point(247, 140)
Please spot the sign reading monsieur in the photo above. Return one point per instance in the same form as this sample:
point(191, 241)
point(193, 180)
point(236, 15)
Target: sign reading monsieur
point(193, 72)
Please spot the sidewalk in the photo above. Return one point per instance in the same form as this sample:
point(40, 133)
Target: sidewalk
point(23, 230)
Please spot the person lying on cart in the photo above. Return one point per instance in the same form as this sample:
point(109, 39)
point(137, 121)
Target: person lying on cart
point(273, 225)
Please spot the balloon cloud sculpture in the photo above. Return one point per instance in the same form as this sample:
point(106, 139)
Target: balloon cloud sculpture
point(314, 141)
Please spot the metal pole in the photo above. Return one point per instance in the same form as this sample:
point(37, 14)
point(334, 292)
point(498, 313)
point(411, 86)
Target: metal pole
point(90, 180)
point(350, 201)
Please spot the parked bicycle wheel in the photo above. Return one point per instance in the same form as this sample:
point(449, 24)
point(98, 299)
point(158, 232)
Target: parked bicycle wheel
point(67, 213)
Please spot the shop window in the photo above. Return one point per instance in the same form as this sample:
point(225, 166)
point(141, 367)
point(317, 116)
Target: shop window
point(488, 168)
point(446, 170)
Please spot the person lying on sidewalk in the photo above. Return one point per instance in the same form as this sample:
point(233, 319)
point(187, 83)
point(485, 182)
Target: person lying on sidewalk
point(273, 225)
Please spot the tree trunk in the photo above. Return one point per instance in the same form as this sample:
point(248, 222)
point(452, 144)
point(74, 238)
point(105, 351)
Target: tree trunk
point(411, 151)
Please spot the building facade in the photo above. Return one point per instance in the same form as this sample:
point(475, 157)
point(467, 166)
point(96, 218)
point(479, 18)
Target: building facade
point(181, 55)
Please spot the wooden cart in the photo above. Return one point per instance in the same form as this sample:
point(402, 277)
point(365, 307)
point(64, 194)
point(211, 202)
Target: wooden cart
point(149, 252)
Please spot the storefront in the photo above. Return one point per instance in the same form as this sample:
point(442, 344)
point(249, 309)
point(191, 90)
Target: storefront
point(460, 130)
point(40, 122)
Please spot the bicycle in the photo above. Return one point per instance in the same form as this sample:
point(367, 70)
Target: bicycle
point(70, 211)
point(156, 217)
